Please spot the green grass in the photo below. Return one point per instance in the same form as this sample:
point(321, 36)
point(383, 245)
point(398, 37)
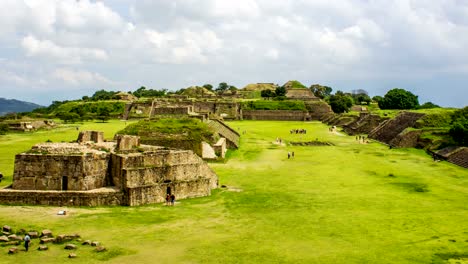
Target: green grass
point(347, 203)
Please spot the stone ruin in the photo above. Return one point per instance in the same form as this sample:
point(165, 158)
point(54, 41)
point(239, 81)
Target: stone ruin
point(93, 172)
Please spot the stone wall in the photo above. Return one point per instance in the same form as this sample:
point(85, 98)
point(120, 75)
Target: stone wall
point(94, 136)
point(364, 124)
point(220, 148)
point(145, 177)
point(389, 129)
point(99, 197)
point(406, 139)
point(232, 136)
point(285, 115)
point(47, 172)
point(127, 142)
point(174, 110)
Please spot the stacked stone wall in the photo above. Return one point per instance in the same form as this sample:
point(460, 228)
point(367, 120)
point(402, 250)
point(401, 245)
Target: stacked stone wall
point(182, 110)
point(284, 115)
point(45, 172)
point(104, 197)
point(407, 139)
point(389, 129)
point(225, 131)
point(364, 124)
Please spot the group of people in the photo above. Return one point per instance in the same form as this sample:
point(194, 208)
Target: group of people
point(290, 154)
point(279, 140)
point(170, 199)
point(332, 129)
point(298, 131)
point(361, 139)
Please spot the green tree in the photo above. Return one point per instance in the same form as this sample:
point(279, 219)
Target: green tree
point(4, 128)
point(399, 99)
point(340, 102)
point(103, 113)
point(208, 86)
point(459, 127)
point(377, 98)
point(428, 105)
point(280, 91)
point(222, 87)
point(267, 93)
point(104, 95)
point(320, 91)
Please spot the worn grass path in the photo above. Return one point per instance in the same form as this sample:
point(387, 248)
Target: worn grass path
point(347, 203)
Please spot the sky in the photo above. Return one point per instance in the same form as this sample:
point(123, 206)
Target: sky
point(62, 50)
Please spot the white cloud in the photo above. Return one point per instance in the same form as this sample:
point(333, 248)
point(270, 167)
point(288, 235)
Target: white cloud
point(67, 55)
point(77, 77)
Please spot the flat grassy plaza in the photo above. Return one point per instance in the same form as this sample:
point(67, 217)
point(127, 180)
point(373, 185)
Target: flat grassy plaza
point(350, 202)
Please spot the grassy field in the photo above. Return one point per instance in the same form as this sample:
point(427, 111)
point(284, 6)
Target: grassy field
point(346, 203)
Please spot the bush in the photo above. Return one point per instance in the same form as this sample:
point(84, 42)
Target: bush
point(459, 127)
point(399, 99)
point(4, 129)
point(340, 102)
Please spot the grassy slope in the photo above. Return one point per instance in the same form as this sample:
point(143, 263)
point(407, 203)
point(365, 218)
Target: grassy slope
point(327, 205)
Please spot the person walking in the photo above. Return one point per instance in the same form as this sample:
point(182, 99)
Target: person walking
point(292, 154)
point(289, 154)
point(27, 240)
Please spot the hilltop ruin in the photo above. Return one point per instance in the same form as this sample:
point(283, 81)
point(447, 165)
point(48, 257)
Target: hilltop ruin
point(93, 172)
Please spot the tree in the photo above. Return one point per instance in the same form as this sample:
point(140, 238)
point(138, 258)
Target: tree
point(320, 91)
point(428, 105)
point(208, 86)
point(222, 87)
point(340, 102)
point(4, 128)
point(104, 95)
point(377, 98)
point(103, 113)
point(280, 91)
point(459, 127)
point(399, 99)
point(267, 93)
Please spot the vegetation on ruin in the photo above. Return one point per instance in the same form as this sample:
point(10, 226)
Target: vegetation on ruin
point(346, 203)
point(187, 128)
point(399, 99)
point(273, 105)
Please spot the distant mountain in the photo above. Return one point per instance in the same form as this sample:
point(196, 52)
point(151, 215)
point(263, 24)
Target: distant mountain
point(16, 106)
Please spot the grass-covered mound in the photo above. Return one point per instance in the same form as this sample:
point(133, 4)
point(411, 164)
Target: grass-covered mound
point(294, 85)
point(183, 133)
point(274, 105)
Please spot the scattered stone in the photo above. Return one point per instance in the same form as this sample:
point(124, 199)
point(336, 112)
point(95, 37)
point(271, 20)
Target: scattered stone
point(46, 240)
point(70, 246)
point(4, 239)
point(6, 233)
point(42, 248)
point(94, 243)
point(46, 233)
point(86, 242)
point(22, 231)
point(33, 234)
point(15, 237)
point(12, 243)
point(72, 255)
point(13, 250)
point(6, 229)
point(100, 249)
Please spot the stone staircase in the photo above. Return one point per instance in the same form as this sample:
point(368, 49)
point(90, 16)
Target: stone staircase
point(390, 129)
point(232, 137)
point(126, 112)
point(363, 125)
point(455, 155)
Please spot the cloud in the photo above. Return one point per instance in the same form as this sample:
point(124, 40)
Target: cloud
point(67, 55)
point(78, 77)
point(178, 43)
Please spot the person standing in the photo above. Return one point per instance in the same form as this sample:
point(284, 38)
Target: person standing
point(292, 154)
point(172, 199)
point(168, 198)
point(27, 240)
